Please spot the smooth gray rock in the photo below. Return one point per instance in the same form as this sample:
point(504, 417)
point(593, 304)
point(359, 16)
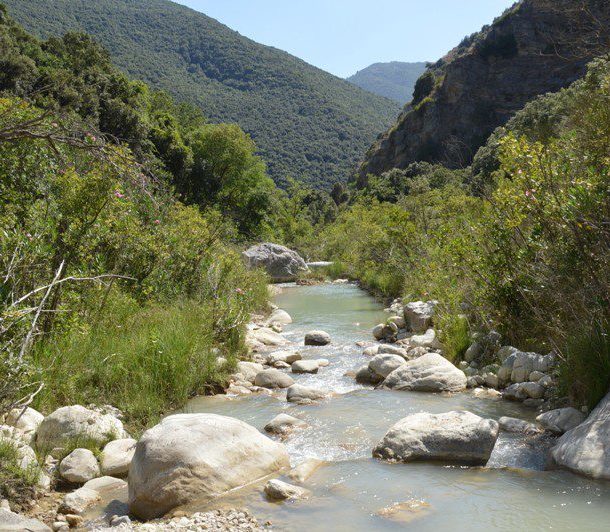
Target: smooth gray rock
point(305, 366)
point(389, 349)
point(317, 338)
point(428, 373)
point(273, 378)
point(282, 356)
point(248, 370)
point(283, 424)
point(453, 436)
point(519, 426)
point(419, 314)
point(586, 448)
point(197, 456)
point(298, 393)
point(383, 365)
point(277, 490)
point(561, 420)
point(281, 263)
point(79, 466)
point(116, 457)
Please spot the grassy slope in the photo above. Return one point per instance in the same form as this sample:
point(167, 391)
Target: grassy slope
point(394, 80)
point(307, 123)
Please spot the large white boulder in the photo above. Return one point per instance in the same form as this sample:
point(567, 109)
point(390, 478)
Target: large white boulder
point(117, 456)
point(197, 456)
point(273, 378)
point(79, 466)
point(419, 314)
point(383, 365)
point(453, 436)
point(27, 420)
point(428, 373)
point(305, 366)
point(586, 448)
point(282, 264)
point(76, 423)
point(279, 316)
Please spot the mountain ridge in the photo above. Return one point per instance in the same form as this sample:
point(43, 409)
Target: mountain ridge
point(394, 80)
point(307, 123)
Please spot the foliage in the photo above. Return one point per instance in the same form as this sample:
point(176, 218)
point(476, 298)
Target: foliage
point(306, 122)
point(17, 484)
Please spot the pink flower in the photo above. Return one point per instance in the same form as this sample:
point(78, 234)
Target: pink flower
point(239, 291)
point(118, 194)
point(157, 222)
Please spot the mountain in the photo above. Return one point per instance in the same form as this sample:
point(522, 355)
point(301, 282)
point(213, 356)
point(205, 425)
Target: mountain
point(306, 123)
point(395, 80)
point(535, 47)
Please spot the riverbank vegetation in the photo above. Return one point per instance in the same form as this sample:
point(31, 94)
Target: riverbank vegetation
point(518, 242)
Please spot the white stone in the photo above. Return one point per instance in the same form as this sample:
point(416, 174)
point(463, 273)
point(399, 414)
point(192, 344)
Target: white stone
point(511, 424)
point(283, 356)
point(371, 351)
point(278, 491)
point(298, 393)
point(74, 423)
point(419, 314)
point(389, 349)
point(79, 466)
point(78, 501)
point(117, 456)
point(267, 336)
point(197, 456)
point(453, 436)
point(105, 484)
point(27, 421)
point(305, 366)
point(428, 373)
point(279, 316)
point(284, 423)
point(13, 522)
point(249, 370)
point(428, 339)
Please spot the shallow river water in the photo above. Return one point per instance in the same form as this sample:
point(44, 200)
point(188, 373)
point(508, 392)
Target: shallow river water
point(351, 491)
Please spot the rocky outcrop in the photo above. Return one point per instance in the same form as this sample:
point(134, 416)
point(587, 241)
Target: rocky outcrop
point(586, 448)
point(282, 264)
point(197, 456)
point(536, 47)
point(453, 436)
point(428, 373)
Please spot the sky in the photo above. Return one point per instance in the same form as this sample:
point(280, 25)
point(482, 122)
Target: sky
point(344, 36)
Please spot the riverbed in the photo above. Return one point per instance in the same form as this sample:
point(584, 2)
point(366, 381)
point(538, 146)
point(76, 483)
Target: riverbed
point(352, 491)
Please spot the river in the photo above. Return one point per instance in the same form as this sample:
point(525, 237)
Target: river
point(353, 491)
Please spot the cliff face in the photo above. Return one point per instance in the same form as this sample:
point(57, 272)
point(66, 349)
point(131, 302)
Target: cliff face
point(537, 46)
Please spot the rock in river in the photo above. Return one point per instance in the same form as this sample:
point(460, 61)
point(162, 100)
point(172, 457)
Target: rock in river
point(586, 448)
point(276, 490)
point(273, 378)
point(561, 420)
point(305, 366)
point(197, 456)
point(282, 264)
point(317, 338)
point(383, 365)
point(453, 436)
point(284, 423)
point(298, 393)
point(428, 373)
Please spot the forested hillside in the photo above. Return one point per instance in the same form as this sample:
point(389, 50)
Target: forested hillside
point(306, 123)
point(395, 80)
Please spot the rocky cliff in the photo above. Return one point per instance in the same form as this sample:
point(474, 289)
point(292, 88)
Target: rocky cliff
point(535, 47)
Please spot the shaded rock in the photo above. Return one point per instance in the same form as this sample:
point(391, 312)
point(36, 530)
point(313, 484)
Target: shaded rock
point(305, 366)
point(282, 264)
point(74, 423)
point(117, 456)
point(399, 321)
point(429, 373)
point(366, 376)
point(278, 491)
point(519, 426)
point(473, 352)
point(297, 393)
point(419, 314)
point(283, 424)
point(383, 365)
point(388, 349)
point(317, 338)
point(197, 456)
point(79, 466)
point(585, 449)
point(453, 436)
point(526, 363)
point(273, 378)
point(561, 420)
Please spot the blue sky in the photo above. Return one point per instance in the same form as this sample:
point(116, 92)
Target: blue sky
point(343, 36)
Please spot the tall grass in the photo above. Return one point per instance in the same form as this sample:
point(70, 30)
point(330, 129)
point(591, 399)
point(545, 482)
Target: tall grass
point(17, 484)
point(143, 360)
